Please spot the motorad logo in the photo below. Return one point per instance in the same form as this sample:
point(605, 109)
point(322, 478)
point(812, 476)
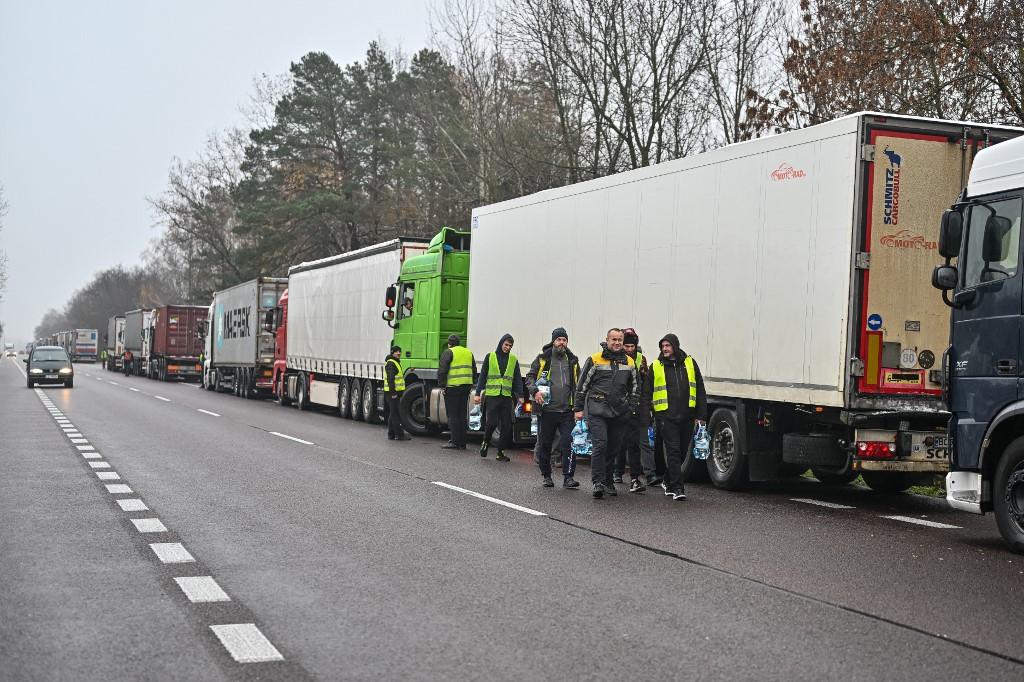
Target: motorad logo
point(892, 187)
point(905, 239)
point(786, 171)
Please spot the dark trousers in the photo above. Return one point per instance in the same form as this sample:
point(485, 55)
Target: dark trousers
point(635, 450)
point(394, 417)
point(498, 411)
point(549, 426)
point(607, 436)
point(677, 437)
point(456, 399)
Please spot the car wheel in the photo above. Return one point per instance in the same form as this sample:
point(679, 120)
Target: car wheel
point(355, 400)
point(70, 383)
point(370, 412)
point(727, 463)
point(887, 481)
point(344, 408)
point(412, 407)
point(302, 397)
point(1008, 495)
point(30, 383)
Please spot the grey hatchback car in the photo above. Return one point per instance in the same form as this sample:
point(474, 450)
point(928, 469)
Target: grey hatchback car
point(49, 365)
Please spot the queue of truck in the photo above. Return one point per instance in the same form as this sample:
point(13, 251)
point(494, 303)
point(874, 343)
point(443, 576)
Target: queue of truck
point(794, 268)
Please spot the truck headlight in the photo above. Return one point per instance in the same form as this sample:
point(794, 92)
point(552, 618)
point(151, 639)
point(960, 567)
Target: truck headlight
point(35, 370)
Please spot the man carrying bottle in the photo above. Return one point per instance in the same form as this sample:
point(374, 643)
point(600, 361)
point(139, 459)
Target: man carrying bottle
point(555, 370)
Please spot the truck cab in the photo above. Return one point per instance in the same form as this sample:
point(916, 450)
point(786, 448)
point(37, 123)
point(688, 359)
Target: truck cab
point(981, 281)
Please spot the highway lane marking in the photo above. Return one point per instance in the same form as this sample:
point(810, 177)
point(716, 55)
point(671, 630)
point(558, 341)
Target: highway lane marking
point(921, 522)
point(79, 440)
point(132, 505)
point(212, 414)
point(97, 378)
point(171, 552)
point(246, 643)
point(160, 397)
point(488, 498)
point(201, 589)
point(85, 447)
point(113, 383)
point(131, 388)
point(820, 503)
point(92, 455)
point(118, 489)
point(99, 465)
point(285, 435)
point(149, 525)
point(108, 476)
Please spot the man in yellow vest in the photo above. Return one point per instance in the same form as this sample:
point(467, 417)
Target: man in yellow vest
point(674, 392)
point(501, 385)
point(456, 372)
point(394, 386)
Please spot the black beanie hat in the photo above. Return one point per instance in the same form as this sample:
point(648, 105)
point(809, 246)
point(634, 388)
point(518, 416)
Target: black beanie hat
point(396, 349)
point(559, 332)
point(629, 335)
point(453, 340)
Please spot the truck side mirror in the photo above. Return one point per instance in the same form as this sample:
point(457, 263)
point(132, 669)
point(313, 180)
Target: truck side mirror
point(391, 296)
point(950, 233)
point(944, 277)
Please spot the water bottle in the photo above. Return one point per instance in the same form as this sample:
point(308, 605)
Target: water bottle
point(581, 445)
point(701, 443)
point(533, 425)
point(544, 388)
point(475, 418)
point(650, 435)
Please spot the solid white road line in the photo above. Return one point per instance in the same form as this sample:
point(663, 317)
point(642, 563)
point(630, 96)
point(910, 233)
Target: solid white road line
point(495, 500)
point(118, 488)
point(920, 522)
point(820, 503)
point(132, 505)
point(246, 643)
point(149, 525)
point(130, 388)
point(171, 552)
point(108, 476)
point(202, 588)
point(212, 414)
point(285, 435)
point(160, 397)
point(99, 465)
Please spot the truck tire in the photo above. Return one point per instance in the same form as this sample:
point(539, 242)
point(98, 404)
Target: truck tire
point(344, 408)
point(1008, 495)
point(887, 481)
point(727, 463)
point(370, 412)
point(833, 478)
point(302, 393)
point(355, 400)
point(412, 406)
point(694, 470)
point(282, 391)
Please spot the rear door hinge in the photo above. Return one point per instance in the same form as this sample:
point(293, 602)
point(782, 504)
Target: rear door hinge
point(856, 367)
point(863, 260)
point(867, 152)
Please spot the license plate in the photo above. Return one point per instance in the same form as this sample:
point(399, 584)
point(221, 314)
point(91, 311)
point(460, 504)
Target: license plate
point(51, 376)
point(930, 446)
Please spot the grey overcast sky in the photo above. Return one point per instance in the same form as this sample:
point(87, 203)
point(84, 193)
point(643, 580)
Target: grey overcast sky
point(97, 98)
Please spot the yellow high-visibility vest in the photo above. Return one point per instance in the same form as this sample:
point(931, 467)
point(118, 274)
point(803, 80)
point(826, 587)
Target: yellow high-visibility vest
point(399, 377)
point(461, 371)
point(499, 384)
point(660, 398)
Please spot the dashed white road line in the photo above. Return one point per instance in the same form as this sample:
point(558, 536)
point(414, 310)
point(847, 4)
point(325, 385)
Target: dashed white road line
point(212, 414)
point(132, 388)
point(79, 440)
point(108, 476)
point(246, 643)
point(132, 505)
point(99, 465)
point(821, 503)
point(113, 383)
point(92, 455)
point(202, 588)
point(85, 447)
point(495, 500)
point(921, 522)
point(149, 525)
point(285, 435)
point(119, 488)
point(97, 378)
point(171, 552)
point(160, 397)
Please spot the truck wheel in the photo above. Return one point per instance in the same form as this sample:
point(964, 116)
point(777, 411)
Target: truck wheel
point(302, 397)
point(832, 478)
point(370, 413)
point(1008, 495)
point(344, 409)
point(355, 400)
point(694, 470)
point(282, 395)
point(887, 481)
point(412, 407)
point(727, 463)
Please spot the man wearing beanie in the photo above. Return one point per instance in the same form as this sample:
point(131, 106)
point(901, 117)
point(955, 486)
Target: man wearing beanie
point(636, 450)
point(394, 387)
point(456, 372)
point(674, 391)
point(501, 385)
point(556, 365)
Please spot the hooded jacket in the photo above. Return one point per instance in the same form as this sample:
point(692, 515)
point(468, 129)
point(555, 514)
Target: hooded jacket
point(678, 386)
point(518, 388)
point(608, 388)
point(562, 378)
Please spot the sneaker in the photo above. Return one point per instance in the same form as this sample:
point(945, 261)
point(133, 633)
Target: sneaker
point(617, 478)
point(449, 446)
point(548, 483)
point(653, 481)
point(610, 489)
point(483, 449)
point(636, 486)
point(668, 492)
point(570, 482)
point(679, 495)
point(501, 457)
point(598, 491)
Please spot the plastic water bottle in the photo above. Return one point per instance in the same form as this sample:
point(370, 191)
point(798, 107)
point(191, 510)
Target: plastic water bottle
point(701, 443)
point(581, 445)
point(533, 425)
point(475, 418)
point(650, 435)
point(544, 388)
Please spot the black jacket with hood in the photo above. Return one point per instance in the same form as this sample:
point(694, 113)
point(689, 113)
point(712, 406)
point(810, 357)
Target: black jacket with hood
point(389, 372)
point(608, 388)
point(567, 382)
point(518, 388)
point(677, 385)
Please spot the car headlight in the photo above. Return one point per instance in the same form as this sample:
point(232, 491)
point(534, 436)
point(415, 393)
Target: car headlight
point(66, 370)
point(35, 370)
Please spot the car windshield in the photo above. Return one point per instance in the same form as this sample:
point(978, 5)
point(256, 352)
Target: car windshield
point(49, 356)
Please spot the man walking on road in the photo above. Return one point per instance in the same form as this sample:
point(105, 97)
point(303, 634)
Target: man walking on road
point(607, 394)
point(394, 386)
point(636, 448)
point(557, 366)
point(456, 372)
point(501, 385)
point(674, 390)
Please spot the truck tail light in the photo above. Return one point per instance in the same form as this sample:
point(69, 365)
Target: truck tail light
point(871, 449)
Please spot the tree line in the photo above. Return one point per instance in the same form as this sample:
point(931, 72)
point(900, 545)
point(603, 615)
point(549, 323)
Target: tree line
point(517, 96)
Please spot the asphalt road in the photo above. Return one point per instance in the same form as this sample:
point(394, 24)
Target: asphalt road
point(336, 554)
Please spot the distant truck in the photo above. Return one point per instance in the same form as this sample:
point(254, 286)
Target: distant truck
point(135, 355)
point(239, 343)
point(81, 345)
point(175, 342)
point(114, 343)
point(985, 361)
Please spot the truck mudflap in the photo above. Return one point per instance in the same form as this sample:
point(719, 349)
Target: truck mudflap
point(907, 451)
point(964, 491)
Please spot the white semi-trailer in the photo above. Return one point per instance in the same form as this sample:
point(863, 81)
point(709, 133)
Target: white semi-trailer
point(115, 343)
point(239, 353)
point(135, 358)
point(794, 268)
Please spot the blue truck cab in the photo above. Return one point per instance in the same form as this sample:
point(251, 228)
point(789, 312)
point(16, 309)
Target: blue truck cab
point(981, 281)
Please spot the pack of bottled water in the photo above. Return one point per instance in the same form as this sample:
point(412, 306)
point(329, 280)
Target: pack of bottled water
point(476, 418)
point(544, 388)
point(581, 445)
point(701, 443)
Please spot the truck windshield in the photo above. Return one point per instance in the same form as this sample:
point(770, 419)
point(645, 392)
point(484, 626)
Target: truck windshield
point(998, 259)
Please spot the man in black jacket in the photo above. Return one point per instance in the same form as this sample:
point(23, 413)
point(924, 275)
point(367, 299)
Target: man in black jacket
point(394, 387)
point(674, 391)
point(606, 395)
point(501, 385)
point(456, 373)
point(556, 365)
